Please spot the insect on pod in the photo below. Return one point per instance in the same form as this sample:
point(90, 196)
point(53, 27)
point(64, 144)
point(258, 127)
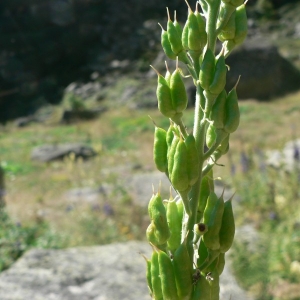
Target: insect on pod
point(155, 279)
point(183, 271)
point(212, 217)
point(232, 111)
point(227, 229)
point(207, 69)
point(192, 159)
point(160, 149)
point(167, 276)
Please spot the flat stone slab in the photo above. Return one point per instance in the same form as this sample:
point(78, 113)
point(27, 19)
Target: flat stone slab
point(109, 272)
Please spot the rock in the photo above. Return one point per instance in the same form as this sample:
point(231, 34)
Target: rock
point(115, 271)
point(24, 121)
point(264, 72)
point(288, 158)
point(46, 153)
point(70, 116)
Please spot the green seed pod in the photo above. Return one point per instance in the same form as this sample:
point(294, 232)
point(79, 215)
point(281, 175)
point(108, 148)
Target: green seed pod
point(219, 81)
point(150, 234)
point(179, 175)
point(148, 275)
point(157, 213)
point(164, 97)
point(155, 279)
point(202, 35)
point(170, 134)
point(221, 263)
point(197, 36)
point(227, 227)
point(171, 154)
point(178, 92)
point(218, 110)
point(224, 146)
point(174, 36)
point(205, 189)
point(174, 222)
point(202, 290)
point(165, 43)
point(212, 217)
point(192, 159)
point(167, 276)
point(177, 25)
point(211, 135)
point(160, 149)
point(183, 271)
point(180, 209)
point(241, 25)
point(228, 31)
point(185, 35)
point(232, 112)
point(235, 3)
point(207, 70)
point(226, 10)
point(206, 257)
point(215, 285)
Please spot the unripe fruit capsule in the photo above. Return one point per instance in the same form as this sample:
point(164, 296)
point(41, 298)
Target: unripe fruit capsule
point(171, 154)
point(192, 159)
point(178, 92)
point(241, 25)
point(218, 110)
point(155, 279)
point(219, 81)
point(165, 43)
point(174, 37)
point(160, 149)
point(174, 222)
point(207, 69)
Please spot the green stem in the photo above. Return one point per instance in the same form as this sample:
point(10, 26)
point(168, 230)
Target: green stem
point(212, 15)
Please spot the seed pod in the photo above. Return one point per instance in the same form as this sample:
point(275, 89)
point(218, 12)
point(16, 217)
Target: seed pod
point(204, 193)
point(202, 290)
point(221, 263)
point(215, 285)
point(228, 31)
point(171, 154)
point(164, 98)
point(227, 227)
point(232, 112)
point(167, 276)
point(212, 217)
point(218, 110)
point(224, 146)
point(155, 279)
point(200, 229)
point(211, 135)
point(148, 275)
point(170, 134)
point(177, 25)
point(197, 36)
point(179, 175)
point(157, 213)
point(202, 35)
point(185, 35)
point(180, 209)
point(226, 10)
point(219, 81)
point(192, 159)
point(183, 271)
point(160, 149)
point(150, 234)
point(241, 25)
point(174, 37)
point(207, 70)
point(178, 92)
point(174, 222)
point(165, 43)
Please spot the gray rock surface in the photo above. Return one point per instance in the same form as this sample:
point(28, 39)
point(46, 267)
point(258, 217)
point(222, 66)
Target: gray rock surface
point(109, 272)
point(47, 153)
point(288, 158)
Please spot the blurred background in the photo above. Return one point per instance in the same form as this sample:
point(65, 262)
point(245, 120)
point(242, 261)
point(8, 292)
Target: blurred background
point(76, 90)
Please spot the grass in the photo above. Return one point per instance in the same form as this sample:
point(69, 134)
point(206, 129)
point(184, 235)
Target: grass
point(37, 194)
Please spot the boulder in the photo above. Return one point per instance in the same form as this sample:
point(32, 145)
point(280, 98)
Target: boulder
point(46, 153)
point(109, 272)
point(264, 72)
